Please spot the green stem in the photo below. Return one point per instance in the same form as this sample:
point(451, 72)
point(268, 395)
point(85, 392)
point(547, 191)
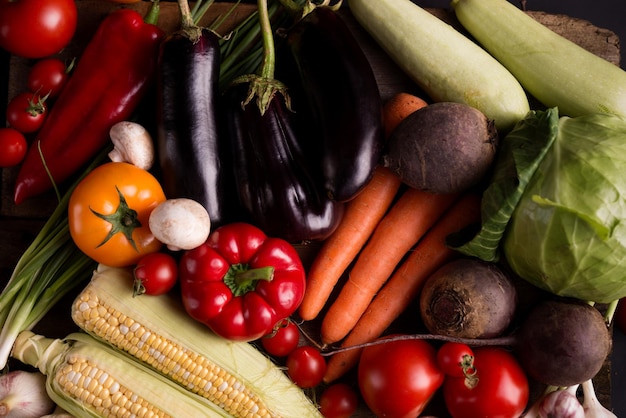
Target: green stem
point(610, 312)
point(240, 279)
point(188, 26)
point(269, 50)
point(152, 17)
point(46, 271)
point(199, 9)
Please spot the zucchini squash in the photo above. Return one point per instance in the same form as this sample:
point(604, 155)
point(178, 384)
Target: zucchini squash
point(443, 62)
point(556, 71)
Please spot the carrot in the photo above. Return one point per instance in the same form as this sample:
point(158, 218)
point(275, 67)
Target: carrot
point(360, 218)
point(400, 229)
point(405, 283)
point(398, 107)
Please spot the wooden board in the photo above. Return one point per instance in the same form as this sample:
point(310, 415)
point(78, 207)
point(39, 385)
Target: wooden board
point(19, 224)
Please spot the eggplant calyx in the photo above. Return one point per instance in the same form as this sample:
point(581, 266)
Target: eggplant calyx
point(188, 28)
point(263, 89)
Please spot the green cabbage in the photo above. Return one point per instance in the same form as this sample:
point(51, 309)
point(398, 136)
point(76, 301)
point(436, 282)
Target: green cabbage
point(557, 215)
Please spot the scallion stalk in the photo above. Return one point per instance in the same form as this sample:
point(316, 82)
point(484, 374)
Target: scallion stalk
point(50, 267)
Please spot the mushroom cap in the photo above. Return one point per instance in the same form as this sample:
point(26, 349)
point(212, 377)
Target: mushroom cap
point(180, 224)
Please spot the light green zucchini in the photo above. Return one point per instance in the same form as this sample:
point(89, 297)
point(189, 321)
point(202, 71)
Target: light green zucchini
point(444, 63)
point(556, 71)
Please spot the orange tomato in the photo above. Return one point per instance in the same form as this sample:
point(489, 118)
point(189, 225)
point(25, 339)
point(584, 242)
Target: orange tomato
point(108, 214)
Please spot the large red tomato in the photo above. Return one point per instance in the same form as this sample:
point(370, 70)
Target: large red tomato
point(501, 389)
point(36, 28)
point(397, 379)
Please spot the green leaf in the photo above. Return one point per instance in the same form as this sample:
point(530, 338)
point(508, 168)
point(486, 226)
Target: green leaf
point(520, 153)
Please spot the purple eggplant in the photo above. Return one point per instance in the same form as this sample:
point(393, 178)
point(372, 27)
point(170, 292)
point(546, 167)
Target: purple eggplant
point(275, 183)
point(193, 157)
point(343, 99)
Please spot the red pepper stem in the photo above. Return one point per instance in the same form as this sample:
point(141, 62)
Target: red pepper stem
point(152, 17)
point(241, 279)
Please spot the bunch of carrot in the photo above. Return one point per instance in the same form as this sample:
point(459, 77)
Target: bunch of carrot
point(392, 238)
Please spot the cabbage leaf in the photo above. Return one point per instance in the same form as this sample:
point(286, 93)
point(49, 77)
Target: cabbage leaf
point(519, 154)
point(556, 205)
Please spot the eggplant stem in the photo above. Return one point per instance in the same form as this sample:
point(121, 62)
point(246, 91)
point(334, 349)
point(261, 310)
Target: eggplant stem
point(188, 26)
point(263, 85)
point(269, 53)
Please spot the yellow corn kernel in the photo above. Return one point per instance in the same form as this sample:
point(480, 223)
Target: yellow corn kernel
point(90, 379)
point(156, 330)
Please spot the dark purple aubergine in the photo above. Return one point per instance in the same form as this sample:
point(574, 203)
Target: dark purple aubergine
point(275, 184)
point(194, 159)
point(344, 101)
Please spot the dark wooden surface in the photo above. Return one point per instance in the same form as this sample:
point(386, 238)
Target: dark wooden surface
point(19, 224)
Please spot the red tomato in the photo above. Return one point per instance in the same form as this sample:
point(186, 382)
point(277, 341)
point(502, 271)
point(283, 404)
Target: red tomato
point(48, 76)
point(500, 391)
point(283, 340)
point(37, 28)
point(13, 147)
point(397, 379)
point(26, 112)
point(155, 274)
point(306, 366)
point(455, 359)
point(620, 315)
point(338, 401)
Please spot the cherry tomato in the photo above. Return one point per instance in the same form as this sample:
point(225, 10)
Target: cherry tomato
point(338, 401)
point(620, 316)
point(398, 378)
point(455, 359)
point(13, 147)
point(26, 112)
point(108, 214)
point(283, 340)
point(48, 77)
point(499, 390)
point(155, 274)
point(306, 366)
point(37, 28)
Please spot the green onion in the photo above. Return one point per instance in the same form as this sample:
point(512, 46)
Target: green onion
point(49, 268)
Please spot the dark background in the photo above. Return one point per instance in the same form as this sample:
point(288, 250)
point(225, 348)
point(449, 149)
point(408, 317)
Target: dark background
point(608, 14)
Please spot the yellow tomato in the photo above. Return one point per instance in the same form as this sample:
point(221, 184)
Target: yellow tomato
point(108, 214)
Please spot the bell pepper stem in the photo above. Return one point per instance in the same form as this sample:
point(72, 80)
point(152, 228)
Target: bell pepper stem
point(241, 279)
point(152, 17)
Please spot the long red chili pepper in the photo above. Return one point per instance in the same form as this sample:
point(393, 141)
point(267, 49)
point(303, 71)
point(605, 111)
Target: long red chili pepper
point(111, 76)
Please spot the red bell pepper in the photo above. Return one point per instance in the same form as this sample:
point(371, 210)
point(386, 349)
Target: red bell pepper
point(240, 282)
point(109, 80)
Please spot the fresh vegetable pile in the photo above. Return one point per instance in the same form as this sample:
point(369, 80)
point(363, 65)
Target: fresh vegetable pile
point(253, 231)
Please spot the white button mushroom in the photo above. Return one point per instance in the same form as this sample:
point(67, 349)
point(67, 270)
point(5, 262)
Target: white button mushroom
point(132, 143)
point(180, 224)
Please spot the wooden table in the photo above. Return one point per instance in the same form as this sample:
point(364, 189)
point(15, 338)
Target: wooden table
point(20, 224)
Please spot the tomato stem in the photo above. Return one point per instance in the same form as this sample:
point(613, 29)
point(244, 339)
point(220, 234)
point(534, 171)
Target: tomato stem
point(123, 220)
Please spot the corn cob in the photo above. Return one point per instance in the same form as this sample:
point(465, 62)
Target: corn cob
point(89, 379)
point(157, 331)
